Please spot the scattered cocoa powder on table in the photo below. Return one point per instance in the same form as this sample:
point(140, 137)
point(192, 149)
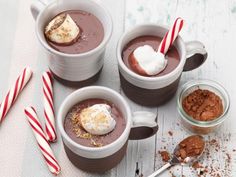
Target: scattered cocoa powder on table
point(196, 165)
point(164, 155)
point(208, 165)
point(170, 133)
point(203, 105)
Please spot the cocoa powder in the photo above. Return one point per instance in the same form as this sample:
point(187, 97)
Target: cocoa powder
point(208, 165)
point(203, 105)
point(190, 147)
point(165, 156)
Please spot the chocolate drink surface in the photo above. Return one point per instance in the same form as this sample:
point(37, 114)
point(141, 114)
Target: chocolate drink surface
point(154, 41)
point(90, 36)
point(77, 133)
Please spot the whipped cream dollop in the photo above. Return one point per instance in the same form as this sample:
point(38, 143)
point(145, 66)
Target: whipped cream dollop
point(97, 119)
point(149, 60)
point(62, 29)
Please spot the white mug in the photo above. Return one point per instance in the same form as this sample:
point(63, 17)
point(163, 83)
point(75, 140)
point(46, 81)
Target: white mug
point(72, 68)
point(154, 91)
point(139, 125)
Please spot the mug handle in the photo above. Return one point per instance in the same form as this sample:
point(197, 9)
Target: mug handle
point(36, 7)
point(196, 55)
point(144, 125)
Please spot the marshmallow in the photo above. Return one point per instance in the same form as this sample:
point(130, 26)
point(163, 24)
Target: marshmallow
point(149, 60)
point(97, 119)
point(62, 29)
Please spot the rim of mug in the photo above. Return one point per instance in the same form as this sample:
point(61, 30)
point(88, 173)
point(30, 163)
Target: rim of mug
point(60, 120)
point(145, 78)
point(105, 40)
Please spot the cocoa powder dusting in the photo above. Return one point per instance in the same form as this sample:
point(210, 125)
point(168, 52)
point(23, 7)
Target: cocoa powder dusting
point(213, 168)
point(208, 165)
point(203, 105)
point(170, 133)
point(164, 155)
point(196, 165)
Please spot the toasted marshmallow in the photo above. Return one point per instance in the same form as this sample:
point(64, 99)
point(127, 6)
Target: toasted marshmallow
point(62, 29)
point(97, 119)
point(149, 60)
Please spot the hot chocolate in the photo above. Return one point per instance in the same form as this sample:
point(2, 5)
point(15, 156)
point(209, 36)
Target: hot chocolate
point(94, 123)
point(172, 55)
point(81, 32)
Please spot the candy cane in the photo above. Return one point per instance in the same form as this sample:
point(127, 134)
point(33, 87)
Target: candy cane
point(13, 93)
point(170, 36)
point(48, 106)
point(42, 141)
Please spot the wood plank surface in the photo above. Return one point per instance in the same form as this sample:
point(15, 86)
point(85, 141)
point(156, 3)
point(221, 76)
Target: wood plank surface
point(213, 23)
point(209, 21)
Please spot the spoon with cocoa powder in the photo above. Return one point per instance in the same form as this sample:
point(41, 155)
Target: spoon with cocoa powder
point(187, 151)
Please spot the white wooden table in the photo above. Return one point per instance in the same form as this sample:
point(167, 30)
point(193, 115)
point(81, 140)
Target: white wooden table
point(211, 21)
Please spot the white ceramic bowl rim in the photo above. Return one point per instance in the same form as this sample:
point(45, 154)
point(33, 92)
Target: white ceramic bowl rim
point(143, 78)
point(90, 52)
point(94, 149)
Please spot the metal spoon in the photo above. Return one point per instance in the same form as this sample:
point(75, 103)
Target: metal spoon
point(175, 160)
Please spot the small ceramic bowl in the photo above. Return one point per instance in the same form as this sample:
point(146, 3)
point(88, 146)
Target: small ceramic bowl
point(202, 127)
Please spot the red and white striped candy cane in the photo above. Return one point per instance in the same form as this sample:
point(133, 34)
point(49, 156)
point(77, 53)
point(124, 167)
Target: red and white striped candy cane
point(170, 36)
point(42, 141)
point(48, 106)
point(13, 93)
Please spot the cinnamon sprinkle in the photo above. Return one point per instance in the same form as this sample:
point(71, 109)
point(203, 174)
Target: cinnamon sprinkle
point(77, 128)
